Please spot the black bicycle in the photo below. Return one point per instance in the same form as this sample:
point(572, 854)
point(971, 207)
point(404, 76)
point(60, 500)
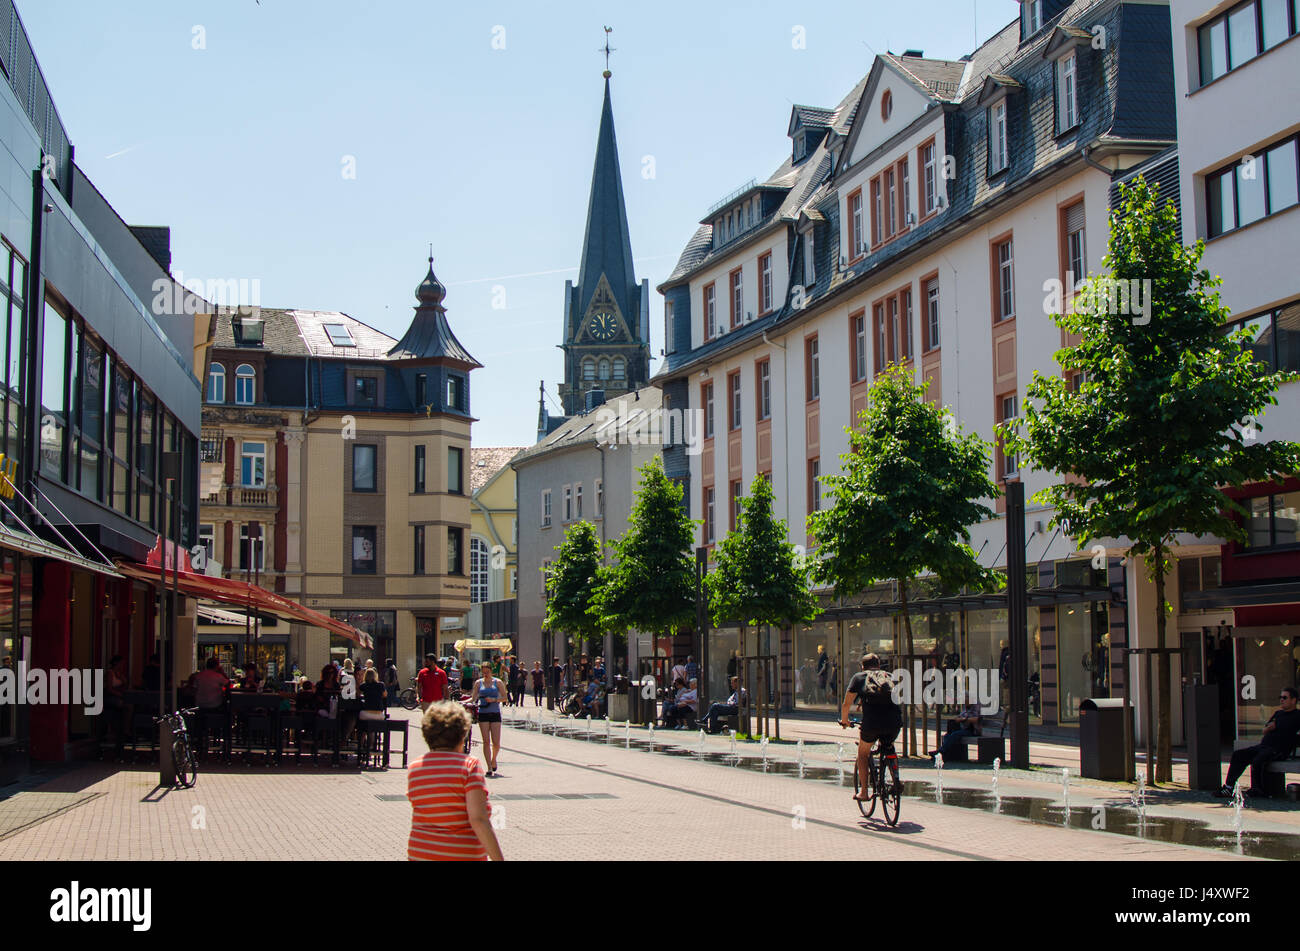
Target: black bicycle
point(885, 785)
point(408, 698)
point(186, 769)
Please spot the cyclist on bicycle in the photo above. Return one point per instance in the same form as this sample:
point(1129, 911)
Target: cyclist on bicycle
point(881, 716)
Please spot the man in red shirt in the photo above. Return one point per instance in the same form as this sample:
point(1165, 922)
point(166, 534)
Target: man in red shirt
point(431, 682)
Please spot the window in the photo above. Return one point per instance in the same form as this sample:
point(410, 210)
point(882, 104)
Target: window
point(363, 549)
point(120, 444)
point(706, 397)
point(54, 393)
point(144, 457)
point(1277, 337)
point(904, 195)
point(419, 469)
point(568, 504)
point(603, 369)
point(456, 470)
point(882, 337)
point(857, 235)
point(577, 500)
point(600, 498)
point(457, 395)
point(710, 531)
point(931, 290)
point(929, 179)
point(903, 311)
point(765, 283)
point(736, 496)
point(735, 400)
point(365, 391)
point(1074, 244)
point(737, 298)
point(1005, 293)
point(997, 115)
point(763, 373)
point(546, 508)
point(809, 261)
point(217, 384)
point(1274, 521)
point(812, 369)
point(859, 323)
point(620, 369)
point(670, 332)
point(710, 312)
point(14, 274)
point(245, 385)
point(252, 465)
point(877, 213)
point(252, 548)
point(546, 580)
point(455, 551)
point(421, 389)
point(339, 335)
point(1009, 465)
point(89, 393)
point(1031, 18)
point(1253, 188)
point(891, 204)
point(1067, 94)
point(363, 468)
point(478, 571)
point(886, 105)
point(1241, 34)
point(589, 369)
point(208, 540)
point(417, 555)
point(814, 487)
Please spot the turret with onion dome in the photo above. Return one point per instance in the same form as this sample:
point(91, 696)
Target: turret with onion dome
point(429, 337)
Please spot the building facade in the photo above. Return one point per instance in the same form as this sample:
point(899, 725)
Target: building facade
point(336, 468)
point(1240, 602)
point(101, 418)
point(922, 221)
point(493, 546)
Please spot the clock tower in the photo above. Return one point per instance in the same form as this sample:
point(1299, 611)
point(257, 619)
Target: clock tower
point(606, 313)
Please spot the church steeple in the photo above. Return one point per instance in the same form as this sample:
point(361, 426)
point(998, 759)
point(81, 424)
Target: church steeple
point(606, 320)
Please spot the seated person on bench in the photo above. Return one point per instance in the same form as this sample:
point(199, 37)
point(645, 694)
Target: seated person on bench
point(684, 708)
point(729, 709)
point(966, 724)
point(591, 699)
point(1279, 739)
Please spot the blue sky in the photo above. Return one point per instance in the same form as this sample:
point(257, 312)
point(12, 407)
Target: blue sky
point(240, 146)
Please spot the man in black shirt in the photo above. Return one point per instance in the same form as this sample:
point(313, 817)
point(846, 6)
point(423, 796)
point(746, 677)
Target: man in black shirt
point(881, 716)
point(1279, 739)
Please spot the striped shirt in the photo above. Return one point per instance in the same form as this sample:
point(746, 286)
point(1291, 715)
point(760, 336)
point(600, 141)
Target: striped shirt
point(436, 787)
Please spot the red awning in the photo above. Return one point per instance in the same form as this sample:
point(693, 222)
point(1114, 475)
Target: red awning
point(250, 597)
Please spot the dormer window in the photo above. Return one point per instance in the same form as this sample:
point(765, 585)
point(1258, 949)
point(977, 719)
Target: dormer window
point(998, 155)
point(339, 335)
point(1031, 18)
point(1067, 93)
point(248, 330)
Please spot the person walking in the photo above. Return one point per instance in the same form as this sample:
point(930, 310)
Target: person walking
point(451, 818)
point(516, 683)
point(430, 683)
point(392, 682)
point(539, 684)
point(487, 693)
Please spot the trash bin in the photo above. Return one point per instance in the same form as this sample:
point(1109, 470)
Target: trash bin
point(1101, 739)
point(618, 706)
point(1201, 712)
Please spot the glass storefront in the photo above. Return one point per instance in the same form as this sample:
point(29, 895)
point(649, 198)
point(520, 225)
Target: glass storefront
point(817, 659)
point(1274, 662)
point(1082, 655)
point(723, 661)
point(380, 625)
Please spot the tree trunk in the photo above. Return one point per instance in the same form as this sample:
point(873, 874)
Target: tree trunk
point(909, 745)
point(1164, 738)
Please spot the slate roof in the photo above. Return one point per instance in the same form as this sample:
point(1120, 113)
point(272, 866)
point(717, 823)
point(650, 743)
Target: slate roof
point(940, 78)
point(487, 461)
point(279, 333)
point(812, 117)
point(583, 430)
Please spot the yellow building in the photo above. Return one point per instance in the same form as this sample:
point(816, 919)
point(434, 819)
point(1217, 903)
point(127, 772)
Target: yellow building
point(337, 472)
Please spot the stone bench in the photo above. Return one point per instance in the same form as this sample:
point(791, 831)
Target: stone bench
point(987, 749)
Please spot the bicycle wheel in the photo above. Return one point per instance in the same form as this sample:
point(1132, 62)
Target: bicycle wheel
point(891, 791)
point(187, 771)
point(407, 699)
point(865, 806)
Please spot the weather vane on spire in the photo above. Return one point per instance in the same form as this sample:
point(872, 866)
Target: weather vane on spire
point(607, 50)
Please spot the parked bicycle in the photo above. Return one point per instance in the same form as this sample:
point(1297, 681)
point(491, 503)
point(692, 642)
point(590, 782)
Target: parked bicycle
point(884, 784)
point(408, 697)
point(183, 764)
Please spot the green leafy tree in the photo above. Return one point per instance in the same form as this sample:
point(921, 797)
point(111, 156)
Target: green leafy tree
point(650, 584)
point(911, 487)
point(1164, 418)
point(759, 577)
point(572, 582)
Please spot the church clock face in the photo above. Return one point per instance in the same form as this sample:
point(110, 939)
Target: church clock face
point(604, 326)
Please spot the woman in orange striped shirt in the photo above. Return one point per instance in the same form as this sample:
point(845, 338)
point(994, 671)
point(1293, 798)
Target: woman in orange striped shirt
point(450, 819)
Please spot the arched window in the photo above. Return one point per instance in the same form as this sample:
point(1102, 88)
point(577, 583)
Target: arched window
point(478, 571)
point(245, 385)
point(589, 369)
point(217, 384)
point(620, 368)
point(604, 368)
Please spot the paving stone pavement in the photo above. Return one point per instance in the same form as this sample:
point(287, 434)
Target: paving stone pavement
point(610, 803)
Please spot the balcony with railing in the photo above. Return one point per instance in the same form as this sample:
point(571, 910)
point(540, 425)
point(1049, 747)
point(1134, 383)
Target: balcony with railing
point(212, 445)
